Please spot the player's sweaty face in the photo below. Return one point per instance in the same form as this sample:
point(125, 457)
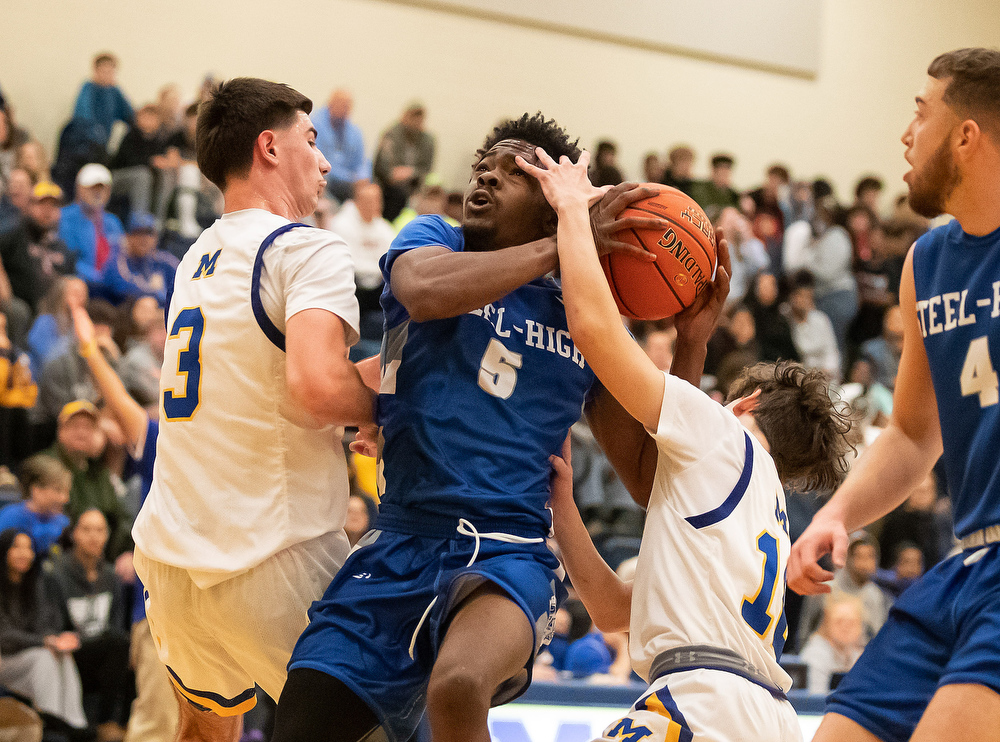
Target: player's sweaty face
point(504, 203)
point(302, 165)
point(934, 174)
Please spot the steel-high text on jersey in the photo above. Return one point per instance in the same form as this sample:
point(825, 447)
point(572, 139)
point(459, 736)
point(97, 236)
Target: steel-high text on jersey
point(947, 311)
point(535, 334)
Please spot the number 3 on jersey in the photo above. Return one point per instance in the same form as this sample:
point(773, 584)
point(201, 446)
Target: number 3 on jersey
point(182, 404)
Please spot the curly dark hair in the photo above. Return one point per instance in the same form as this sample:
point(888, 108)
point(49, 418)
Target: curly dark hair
point(536, 130)
point(806, 428)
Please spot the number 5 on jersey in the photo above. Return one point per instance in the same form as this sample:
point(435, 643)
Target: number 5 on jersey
point(498, 370)
point(181, 404)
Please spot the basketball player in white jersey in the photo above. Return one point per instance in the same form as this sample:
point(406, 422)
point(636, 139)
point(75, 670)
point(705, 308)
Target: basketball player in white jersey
point(706, 610)
point(243, 525)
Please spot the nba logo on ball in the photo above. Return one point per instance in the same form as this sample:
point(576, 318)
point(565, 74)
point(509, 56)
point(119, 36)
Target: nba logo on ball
point(685, 264)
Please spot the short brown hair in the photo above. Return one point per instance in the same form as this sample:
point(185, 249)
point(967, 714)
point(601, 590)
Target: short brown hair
point(974, 88)
point(805, 428)
point(42, 470)
point(233, 116)
point(105, 57)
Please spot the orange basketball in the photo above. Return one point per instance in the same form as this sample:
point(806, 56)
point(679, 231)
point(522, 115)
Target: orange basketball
point(685, 257)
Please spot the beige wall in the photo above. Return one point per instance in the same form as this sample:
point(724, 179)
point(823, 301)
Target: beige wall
point(469, 72)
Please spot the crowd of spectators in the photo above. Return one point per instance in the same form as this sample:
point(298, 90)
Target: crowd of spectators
point(102, 225)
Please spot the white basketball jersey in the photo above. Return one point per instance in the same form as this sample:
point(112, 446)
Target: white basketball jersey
point(241, 471)
point(715, 546)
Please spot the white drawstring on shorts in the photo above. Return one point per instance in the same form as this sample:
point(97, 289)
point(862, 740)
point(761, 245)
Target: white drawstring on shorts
point(467, 529)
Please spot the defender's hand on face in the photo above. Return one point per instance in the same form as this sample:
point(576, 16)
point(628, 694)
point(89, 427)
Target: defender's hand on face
point(564, 183)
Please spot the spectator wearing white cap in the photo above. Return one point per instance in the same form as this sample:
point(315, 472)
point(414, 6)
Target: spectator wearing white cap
point(85, 226)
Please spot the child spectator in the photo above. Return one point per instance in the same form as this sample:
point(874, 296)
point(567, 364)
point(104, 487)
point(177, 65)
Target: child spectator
point(90, 597)
point(101, 101)
point(45, 485)
point(37, 652)
point(836, 644)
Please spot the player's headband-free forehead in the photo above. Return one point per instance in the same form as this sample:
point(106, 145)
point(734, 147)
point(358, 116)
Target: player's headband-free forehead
point(515, 146)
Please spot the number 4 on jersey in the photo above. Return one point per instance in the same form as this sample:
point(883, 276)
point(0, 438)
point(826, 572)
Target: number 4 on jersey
point(978, 376)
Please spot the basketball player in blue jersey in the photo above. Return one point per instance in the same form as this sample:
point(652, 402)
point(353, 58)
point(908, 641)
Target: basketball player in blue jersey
point(445, 603)
point(933, 671)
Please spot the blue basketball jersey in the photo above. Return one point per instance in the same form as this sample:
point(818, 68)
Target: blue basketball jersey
point(471, 407)
point(957, 278)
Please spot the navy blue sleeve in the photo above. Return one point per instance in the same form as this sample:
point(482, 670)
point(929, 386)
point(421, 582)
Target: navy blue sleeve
point(144, 463)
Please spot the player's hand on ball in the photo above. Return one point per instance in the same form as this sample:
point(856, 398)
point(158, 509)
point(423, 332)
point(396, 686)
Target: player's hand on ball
point(696, 323)
point(605, 224)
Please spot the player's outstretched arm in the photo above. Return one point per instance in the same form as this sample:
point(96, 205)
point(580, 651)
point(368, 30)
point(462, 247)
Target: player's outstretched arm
point(320, 378)
point(435, 283)
point(130, 415)
point(594, 321)
point(607, 598)
point(898, 460)
point(627, 444)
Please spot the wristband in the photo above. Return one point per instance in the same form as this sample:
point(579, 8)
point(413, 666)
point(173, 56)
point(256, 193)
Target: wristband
point(88, 349)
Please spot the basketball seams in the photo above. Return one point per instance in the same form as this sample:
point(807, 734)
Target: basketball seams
point(613, 283)
point(669, 283)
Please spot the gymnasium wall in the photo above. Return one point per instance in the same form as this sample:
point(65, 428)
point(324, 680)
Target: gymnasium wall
point(469, 71)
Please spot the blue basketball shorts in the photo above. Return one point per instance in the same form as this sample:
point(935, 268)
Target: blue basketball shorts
point(943, 630)
point(381, 622)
